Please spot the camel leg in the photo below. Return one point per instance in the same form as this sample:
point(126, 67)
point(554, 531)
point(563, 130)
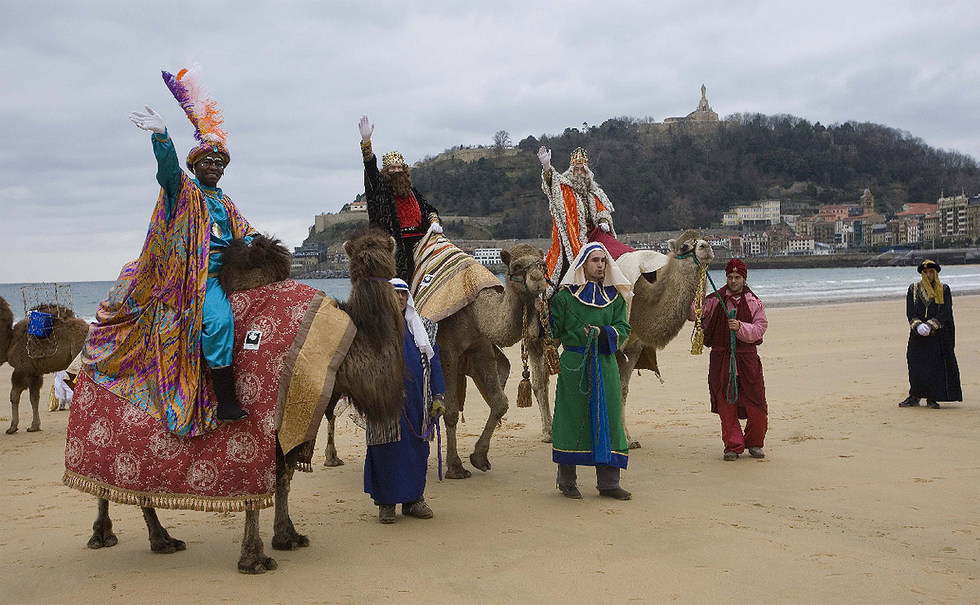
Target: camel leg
point(35, 394)
point(455, 386)
point(102, 528)
point(160, 540)
point(539, 386)
point(626, 364)
point(19, 382)
point(330, 453)
point(253, 560)
point(284, 535)
point(487, 382)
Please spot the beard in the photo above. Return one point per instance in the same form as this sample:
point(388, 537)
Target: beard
point(400, 182)
point(582, 183)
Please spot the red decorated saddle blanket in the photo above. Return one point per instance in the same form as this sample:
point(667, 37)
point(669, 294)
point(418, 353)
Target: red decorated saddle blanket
point(289, 341)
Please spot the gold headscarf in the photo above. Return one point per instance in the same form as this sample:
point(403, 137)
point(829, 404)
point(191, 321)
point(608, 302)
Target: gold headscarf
point(932, 289)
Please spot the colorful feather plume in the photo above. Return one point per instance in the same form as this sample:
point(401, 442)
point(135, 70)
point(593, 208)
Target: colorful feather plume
point(201, 111)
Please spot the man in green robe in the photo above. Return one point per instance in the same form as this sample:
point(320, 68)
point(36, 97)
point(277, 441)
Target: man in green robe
point(588, 317)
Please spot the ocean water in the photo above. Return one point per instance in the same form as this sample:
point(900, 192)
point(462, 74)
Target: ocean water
point(776, 287)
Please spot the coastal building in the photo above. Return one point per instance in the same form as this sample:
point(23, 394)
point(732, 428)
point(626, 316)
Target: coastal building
point(973, 217)
point(930, 226)
point(801, 246)
point(756, 214)
point(487, 256)
point(952, 215)
point(753, 244)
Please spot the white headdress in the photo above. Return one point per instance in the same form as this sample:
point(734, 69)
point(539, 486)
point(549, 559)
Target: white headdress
point(614, 276)
point(413, 321)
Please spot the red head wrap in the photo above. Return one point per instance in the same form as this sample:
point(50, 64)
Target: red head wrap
point(736, 266)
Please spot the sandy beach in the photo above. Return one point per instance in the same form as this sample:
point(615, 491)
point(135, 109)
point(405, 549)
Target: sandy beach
point(857, 501)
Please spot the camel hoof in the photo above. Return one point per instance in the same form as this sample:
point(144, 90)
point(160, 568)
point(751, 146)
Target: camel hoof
point(167, 546)
point(479, 460)
point(12, 430)
point(97, 541)
point(459, 472)
point(546, 438)
point(335, 461)
point(290, 542)
point(34, 429)
point(262, 565)
point(634, 445)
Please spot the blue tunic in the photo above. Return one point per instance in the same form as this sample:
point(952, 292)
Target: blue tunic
point(218, 325)
point(395, 472)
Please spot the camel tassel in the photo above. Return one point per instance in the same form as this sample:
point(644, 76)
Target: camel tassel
point(551, 360)
point(697, 338)
point(524, 388)
point(524, 391)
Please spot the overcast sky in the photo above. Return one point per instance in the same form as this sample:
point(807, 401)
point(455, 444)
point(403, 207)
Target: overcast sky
point(293, 78)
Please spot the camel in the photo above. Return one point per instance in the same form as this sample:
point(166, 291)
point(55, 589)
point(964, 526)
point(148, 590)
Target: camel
point(371, 374)
point(32, 357)
point(468, 346)
point(659, 310)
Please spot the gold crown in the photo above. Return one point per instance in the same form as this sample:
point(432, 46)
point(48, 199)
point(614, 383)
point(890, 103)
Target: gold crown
point(579, 157)
point(391, 158)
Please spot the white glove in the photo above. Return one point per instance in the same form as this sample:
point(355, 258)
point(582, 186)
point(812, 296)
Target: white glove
point(923, 329)
point(544, 155)
point(366, 128)
point(435, 228)
point(604, 227)
point(150, 120)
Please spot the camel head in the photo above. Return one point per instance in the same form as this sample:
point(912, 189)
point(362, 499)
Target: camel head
point(249, 265)
point(691, 241)
point(525, 265)
point(372, 254)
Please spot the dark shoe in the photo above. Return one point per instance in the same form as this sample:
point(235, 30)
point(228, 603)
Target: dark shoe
point(386, 513)
point(756, 452)
point(418, 509)
point(910, 402)
point(223, 380)
point(617, 492)
point(730, 456)
point(931, 403)
point(570, 491)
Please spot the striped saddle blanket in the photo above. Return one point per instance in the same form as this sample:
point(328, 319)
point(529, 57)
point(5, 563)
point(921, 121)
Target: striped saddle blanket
point(446, 279)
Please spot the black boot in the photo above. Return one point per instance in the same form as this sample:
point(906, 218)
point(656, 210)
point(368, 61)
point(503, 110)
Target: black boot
point(909, 402)
point(224, 389)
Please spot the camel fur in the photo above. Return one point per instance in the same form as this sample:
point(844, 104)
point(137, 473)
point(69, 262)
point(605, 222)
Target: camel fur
point(469, 342)
point(659, 309)
point(371, 375)
point(32, 358)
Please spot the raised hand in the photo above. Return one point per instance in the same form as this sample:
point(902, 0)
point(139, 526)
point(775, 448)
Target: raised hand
point(366, 128)
point(544, 156)
point(150, 120)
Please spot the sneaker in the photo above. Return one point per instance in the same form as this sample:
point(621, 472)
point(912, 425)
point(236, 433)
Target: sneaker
point(386, 513)
point(756, 452)
point(931, 403)
point(418, 509)
point(570, 491)
point(729, 456)
point(910, 402)
point(617, 492)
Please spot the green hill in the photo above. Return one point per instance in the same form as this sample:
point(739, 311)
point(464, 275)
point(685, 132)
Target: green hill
point(671, 176)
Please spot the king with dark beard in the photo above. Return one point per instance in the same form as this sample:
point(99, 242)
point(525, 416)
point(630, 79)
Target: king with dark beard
point(393, 204)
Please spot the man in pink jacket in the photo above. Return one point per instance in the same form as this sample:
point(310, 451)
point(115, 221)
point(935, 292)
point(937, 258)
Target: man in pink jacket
point(744, 398)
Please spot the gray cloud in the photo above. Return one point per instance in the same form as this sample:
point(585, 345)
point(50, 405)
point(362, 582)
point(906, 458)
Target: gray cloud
point(293, 78)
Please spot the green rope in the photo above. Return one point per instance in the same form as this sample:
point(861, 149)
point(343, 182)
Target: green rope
point(731, 392)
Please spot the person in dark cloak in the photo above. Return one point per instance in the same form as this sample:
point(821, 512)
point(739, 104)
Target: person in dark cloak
point(933, 371)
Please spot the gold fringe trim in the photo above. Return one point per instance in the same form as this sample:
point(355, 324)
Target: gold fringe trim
point(210, 504)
